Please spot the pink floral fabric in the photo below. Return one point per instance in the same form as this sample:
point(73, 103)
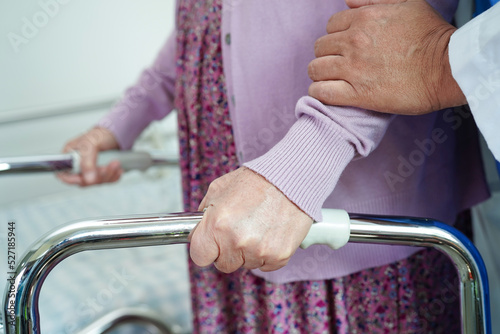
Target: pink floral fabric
point(416, 295)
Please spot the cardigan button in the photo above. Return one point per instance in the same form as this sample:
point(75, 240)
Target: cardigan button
point(228, 39)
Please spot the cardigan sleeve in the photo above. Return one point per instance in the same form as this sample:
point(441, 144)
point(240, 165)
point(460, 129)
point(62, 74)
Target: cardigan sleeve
point(151, 98)
point(307, 163)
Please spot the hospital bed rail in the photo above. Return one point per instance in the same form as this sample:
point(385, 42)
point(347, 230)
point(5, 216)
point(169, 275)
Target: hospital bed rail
point(70, 162)
point(20, 308)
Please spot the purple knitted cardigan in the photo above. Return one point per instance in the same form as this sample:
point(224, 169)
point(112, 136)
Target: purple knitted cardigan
point(317, 155)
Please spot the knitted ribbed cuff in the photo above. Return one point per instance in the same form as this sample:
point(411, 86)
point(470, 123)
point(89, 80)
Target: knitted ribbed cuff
point(306, 164)
point(127, 122)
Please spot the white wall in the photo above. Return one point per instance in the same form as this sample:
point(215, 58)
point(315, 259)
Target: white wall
point(58, 51)
point(61, 53)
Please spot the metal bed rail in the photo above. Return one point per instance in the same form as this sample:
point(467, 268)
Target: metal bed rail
point(70, 162)
point(20, 308)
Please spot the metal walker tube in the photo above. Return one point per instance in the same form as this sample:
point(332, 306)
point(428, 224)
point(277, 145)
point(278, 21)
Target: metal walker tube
point(20, 309)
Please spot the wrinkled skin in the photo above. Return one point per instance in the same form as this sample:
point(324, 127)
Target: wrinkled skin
point(247, 223)
point(386, 55)
point(88, 146)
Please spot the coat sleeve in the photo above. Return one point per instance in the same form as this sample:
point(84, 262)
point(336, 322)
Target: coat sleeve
point(474, 53)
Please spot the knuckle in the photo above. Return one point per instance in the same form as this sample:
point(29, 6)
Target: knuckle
point(359, 39)
point(226, 265)
point(312, 90)
point(371, 14)
point(322, 93)
point(85, 147)
point(94, 136)
point(219, 227)
point(214, 186)
point(275, 264)
point(249, 244)
point(217, 184)
point(331, 21)
point(284, 255)
point(276, 258)
point(366, 13)
point(71, 144)
point(321, 45)
point(225, 269)
point(317, 47)
point(311, 70)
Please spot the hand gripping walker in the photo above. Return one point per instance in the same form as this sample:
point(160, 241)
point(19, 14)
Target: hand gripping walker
point(20, 302)
point(20, 307)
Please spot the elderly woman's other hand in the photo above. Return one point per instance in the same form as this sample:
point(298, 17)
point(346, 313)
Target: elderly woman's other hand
point(386, 55)
point(247, 223)
point(88, 146)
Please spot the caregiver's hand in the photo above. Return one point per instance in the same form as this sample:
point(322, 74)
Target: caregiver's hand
point(248, 222)
point(88, 145)
point(386, 55)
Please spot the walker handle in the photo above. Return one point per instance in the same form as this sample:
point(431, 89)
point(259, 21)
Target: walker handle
point(333, 231)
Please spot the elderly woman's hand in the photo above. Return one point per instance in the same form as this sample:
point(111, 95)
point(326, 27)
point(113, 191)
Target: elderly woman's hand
point(247, 223)
point(88, 146)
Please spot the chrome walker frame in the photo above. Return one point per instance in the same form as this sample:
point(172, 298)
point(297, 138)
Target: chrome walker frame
point(20, 309)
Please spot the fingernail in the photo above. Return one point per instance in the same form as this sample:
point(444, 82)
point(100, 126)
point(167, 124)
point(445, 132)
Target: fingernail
point(90, 177)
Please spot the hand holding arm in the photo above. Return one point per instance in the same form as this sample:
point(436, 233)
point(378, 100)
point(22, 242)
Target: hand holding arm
point(391, 56)
point(88, 146)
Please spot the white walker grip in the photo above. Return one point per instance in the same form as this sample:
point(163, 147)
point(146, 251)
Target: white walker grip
point(333, 231)
point(76, 162)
